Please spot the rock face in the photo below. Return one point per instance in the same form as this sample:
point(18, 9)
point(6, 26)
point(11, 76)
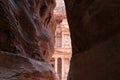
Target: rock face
point(26, 26)
point(26, 36)
point(17, 67)
point(26, 39)
point(95, 34)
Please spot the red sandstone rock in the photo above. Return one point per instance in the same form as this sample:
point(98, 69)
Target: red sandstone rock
point(95, 34)
point(26, 29)
point(17, 67)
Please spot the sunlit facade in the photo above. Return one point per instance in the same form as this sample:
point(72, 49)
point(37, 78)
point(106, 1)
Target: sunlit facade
point(62, 55)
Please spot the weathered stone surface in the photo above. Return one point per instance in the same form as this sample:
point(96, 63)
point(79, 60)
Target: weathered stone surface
point(26, 34)
point(95, 28)
point(17, 67)
point(26, 27)
point(101, 62)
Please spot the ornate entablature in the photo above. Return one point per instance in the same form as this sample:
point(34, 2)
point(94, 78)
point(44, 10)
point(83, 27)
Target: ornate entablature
point(62, 35)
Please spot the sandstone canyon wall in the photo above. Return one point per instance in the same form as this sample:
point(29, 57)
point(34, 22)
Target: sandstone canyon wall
point(26, 39)
point(95, 34)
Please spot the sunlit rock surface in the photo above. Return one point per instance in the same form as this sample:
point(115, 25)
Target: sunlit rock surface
point(27, 35)
point(95, 34)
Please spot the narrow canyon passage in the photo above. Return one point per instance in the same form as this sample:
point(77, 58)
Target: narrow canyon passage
point(27, 39)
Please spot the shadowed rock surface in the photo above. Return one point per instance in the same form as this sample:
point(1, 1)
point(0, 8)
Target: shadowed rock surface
point(95, 34)
point(26, 27)
point(17, 67)
point(26, 37)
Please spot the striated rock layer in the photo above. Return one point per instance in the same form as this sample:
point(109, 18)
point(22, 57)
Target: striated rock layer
point(17, 67)
point(26, 36)
point(95, 34)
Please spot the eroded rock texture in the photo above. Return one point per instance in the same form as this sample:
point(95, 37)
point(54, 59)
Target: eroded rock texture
point(26, 36)
point(17, 67)
point(95, 34)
